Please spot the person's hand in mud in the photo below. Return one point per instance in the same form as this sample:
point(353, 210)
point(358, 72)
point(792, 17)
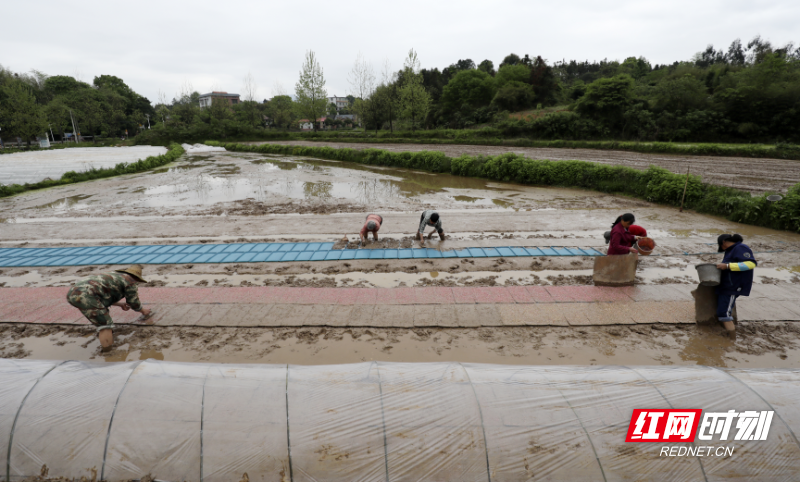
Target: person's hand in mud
point(125, 306)
point(722, 266)
point(145, 311)
point(363, 240)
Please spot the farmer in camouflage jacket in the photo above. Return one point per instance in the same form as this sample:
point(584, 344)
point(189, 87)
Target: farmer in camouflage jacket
point(94, 294)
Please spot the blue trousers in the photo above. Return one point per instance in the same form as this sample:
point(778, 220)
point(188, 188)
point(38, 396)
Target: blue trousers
point(725, 304)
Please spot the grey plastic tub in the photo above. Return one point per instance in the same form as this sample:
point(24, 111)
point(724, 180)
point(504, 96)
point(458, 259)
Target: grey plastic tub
point(709, 274)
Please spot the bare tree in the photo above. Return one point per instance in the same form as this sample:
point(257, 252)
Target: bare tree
point(249, 88)
point(389, 79)
point(162, 108)
point(250, 94)
point(278, 89)
point(361, 78)
point(362, 85)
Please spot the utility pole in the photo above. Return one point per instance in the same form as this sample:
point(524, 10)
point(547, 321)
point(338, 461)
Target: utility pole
point(148, 120)
point(51, 132)
point(74, 131)
point(684, 189)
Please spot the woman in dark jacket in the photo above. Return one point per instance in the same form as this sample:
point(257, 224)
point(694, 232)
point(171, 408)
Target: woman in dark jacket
point(736, 280)
point(621, 240)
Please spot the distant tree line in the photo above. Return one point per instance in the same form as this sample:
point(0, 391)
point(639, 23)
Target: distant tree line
point(745, 93)
point(35, 103)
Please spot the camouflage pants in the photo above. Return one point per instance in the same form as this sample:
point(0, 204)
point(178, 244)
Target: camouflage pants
point(91, 307)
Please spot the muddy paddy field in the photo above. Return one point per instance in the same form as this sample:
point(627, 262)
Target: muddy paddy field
point(226, 197)
point(748, 174)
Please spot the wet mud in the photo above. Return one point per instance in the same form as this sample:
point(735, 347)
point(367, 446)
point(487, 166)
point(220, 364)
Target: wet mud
point(756, 345)
point(754, 175)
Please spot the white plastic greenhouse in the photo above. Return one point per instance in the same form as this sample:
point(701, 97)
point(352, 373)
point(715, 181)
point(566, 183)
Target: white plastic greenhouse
point(377, 422)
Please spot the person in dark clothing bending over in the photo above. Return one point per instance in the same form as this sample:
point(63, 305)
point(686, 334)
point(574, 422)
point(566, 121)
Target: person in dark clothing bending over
point(736, 280)
point(429, 218)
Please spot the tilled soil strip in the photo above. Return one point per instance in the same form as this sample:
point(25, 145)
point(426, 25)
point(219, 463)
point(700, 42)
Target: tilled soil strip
point(754, 175)
point(405, 307)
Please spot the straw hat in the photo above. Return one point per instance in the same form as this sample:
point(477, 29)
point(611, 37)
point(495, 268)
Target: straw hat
point(134, 270)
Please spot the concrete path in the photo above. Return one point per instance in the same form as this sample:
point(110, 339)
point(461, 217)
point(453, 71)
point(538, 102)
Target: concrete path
point(405, 307)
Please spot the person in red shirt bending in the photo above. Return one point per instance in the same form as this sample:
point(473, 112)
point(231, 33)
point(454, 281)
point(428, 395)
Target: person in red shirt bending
point(622, 239)
point(372, 224)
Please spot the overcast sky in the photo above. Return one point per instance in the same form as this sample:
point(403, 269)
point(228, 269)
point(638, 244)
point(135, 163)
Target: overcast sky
point(161, 45)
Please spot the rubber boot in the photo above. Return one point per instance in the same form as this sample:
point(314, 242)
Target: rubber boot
point(106, 338)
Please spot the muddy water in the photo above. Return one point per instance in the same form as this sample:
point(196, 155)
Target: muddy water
point(22, 167)
point(757, 345)
point(209, 179)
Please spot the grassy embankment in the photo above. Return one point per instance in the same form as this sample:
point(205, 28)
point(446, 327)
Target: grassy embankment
point(656, 184)
point(174, 151)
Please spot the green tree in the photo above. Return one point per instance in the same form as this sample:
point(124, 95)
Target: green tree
point(515, 96)
point(474, 88)
point(332, 111)
point(607, 100)
point(510, 59)
point(636, 68)
point(282, 110)
point(20, 115)
point(544, 82)
point(682, 94)
point(488, 67)
point(513, 72)
point(414, 100)
point(57, 114)
point(310, 90)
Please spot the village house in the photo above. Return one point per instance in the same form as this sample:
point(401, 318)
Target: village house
point(207, 99)
point(340, 102)
point(306, 125)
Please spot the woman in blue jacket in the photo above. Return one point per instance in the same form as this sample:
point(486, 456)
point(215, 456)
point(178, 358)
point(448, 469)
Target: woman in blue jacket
point(737, 275)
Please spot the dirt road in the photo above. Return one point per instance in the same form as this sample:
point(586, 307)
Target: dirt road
point(754, 175)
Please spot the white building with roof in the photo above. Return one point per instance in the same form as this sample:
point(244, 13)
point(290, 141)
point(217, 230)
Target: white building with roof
point(207, 99)
point(341, 102)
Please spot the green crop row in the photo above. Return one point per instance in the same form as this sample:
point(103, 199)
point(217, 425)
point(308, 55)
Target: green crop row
point(174, 151)
point(655, 184)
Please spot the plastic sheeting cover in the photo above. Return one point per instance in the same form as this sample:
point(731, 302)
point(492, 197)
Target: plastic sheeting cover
point(377, 421)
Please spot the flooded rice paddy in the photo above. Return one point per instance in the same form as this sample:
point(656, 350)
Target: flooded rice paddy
point(35, 166)
point(214, 182)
